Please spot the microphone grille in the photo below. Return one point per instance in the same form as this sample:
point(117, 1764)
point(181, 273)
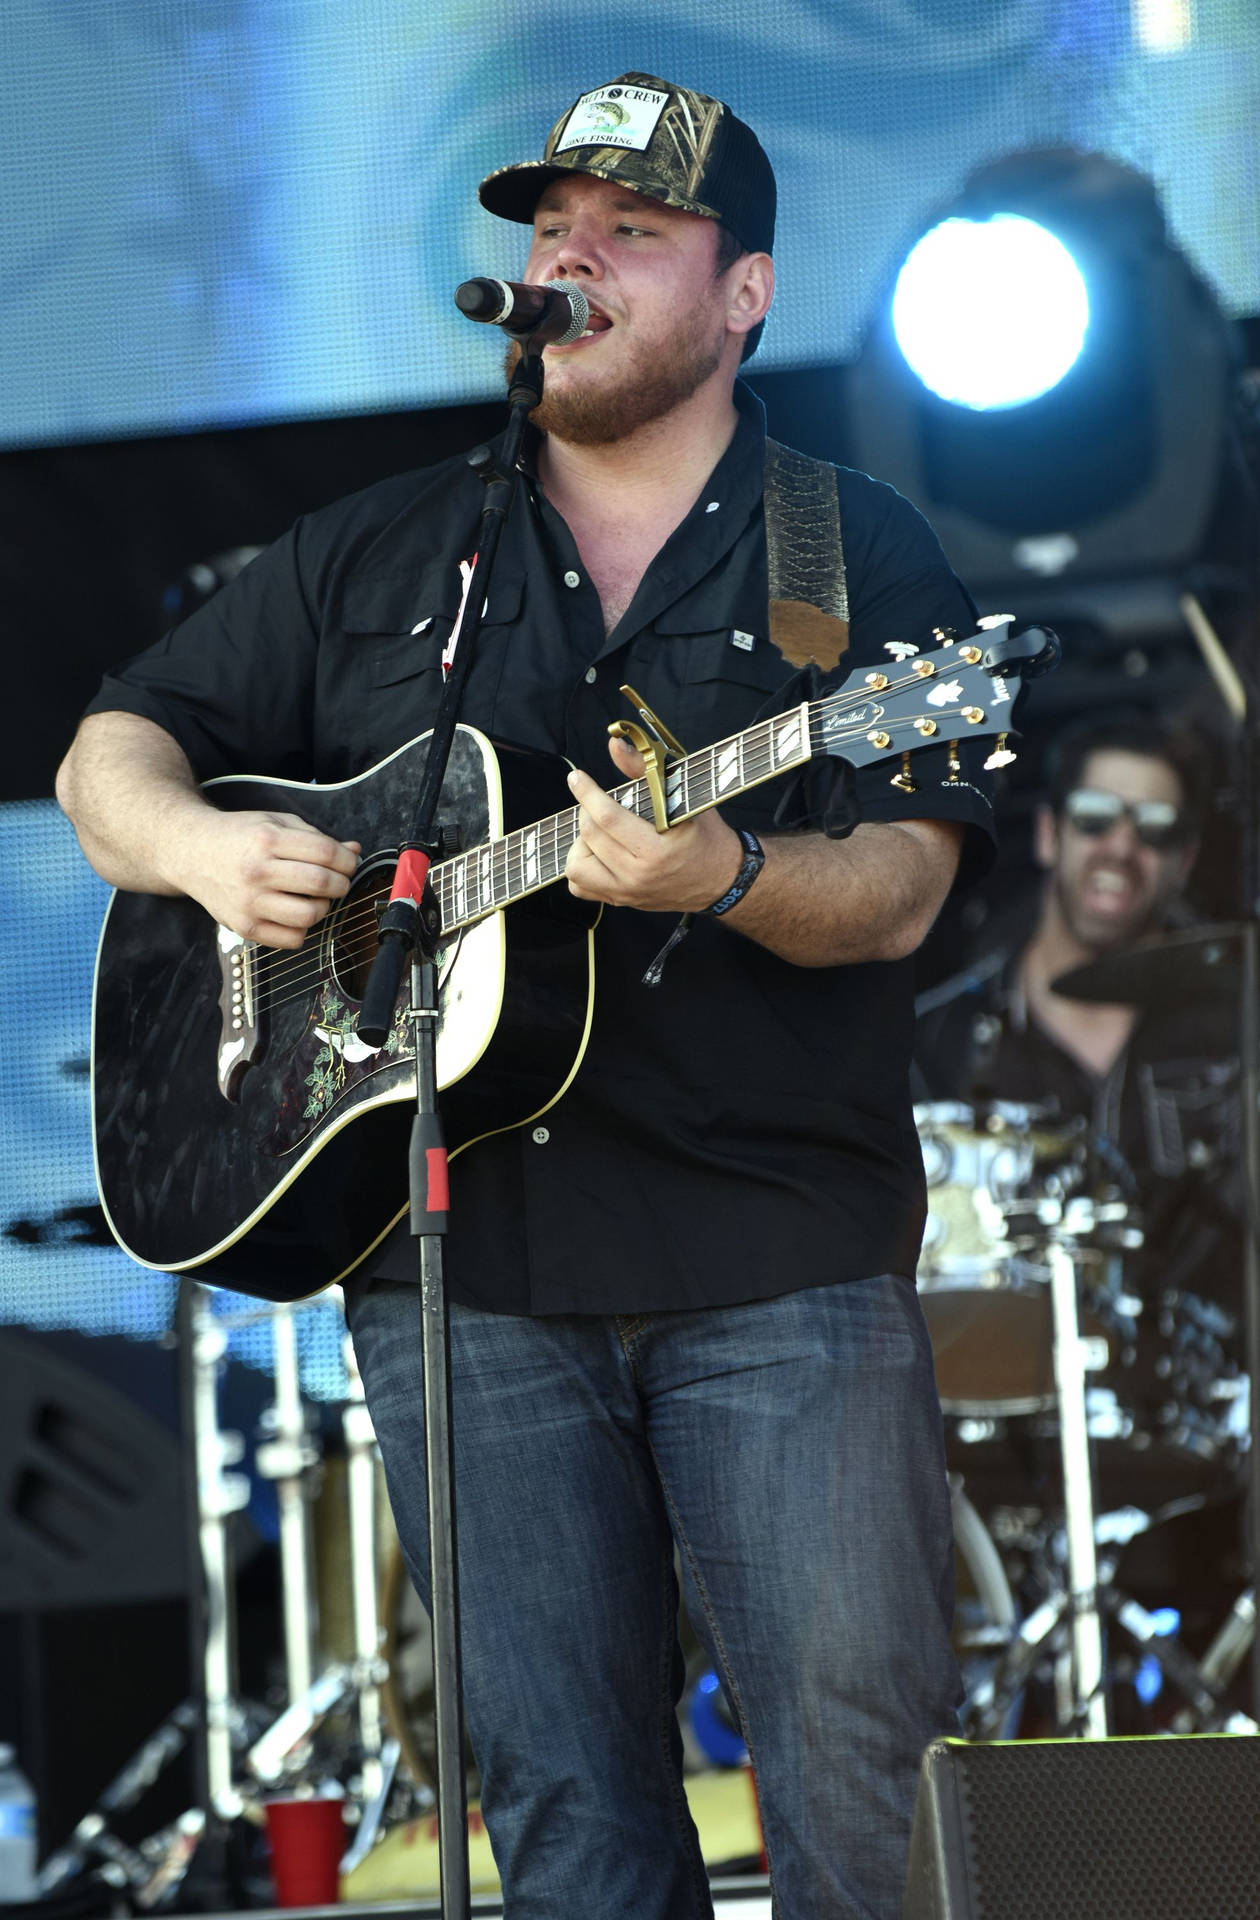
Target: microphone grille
point(581, 308)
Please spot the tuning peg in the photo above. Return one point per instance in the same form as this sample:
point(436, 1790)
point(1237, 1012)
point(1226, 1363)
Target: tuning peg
point(905, 779)
point(1001, 755)
point(900, 649)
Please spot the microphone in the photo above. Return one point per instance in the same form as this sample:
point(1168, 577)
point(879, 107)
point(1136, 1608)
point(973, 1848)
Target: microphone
point(554, 314)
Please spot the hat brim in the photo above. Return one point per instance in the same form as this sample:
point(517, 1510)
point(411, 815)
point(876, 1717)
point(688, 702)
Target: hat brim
point(513, 192)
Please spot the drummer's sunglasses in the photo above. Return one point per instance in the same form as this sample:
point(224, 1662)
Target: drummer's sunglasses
point(1157, 823)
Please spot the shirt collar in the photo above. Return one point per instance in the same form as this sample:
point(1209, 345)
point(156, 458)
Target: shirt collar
point(737, 476)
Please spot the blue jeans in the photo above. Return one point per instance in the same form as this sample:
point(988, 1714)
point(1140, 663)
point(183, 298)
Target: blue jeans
point(792, 1450)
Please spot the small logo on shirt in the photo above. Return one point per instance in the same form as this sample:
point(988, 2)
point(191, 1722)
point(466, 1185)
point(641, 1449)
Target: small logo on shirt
point(744, 641)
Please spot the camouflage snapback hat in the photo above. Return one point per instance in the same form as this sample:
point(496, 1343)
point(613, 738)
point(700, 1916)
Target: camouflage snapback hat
point(669, 143)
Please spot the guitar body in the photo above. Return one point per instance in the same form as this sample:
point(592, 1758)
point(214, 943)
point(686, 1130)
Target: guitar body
point(243, 1129)
point(277, 1163)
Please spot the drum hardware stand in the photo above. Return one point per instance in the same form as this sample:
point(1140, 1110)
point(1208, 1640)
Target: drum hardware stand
point(1074, 1357)
point(1202, 1683)
point(360, 1680)
point(371, 1669)
point(213, 1718)
point(1232, 1643)
point(280, 1750)
point(216, 1722)
point(220, 1494)
point(290, 1458)
point(92, 1838)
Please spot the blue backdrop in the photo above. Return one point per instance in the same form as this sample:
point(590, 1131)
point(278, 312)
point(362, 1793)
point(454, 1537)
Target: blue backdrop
point(226, 211)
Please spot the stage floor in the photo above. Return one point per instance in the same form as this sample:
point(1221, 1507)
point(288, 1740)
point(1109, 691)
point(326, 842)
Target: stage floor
point(401, 1873)
point(734, 1899)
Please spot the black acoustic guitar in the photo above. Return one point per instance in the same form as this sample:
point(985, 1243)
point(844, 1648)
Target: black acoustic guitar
point(245, 1131)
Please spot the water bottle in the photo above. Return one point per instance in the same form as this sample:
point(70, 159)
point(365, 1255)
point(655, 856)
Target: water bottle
point(18, 1839)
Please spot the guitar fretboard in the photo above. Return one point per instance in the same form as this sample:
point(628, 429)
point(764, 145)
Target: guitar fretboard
point(494, 875)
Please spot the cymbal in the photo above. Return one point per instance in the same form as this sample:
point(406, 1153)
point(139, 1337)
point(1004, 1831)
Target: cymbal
point(1164, 971)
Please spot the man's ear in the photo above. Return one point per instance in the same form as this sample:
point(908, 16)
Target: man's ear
point(750, 291)
point(1189, 854)
point(1045, 838)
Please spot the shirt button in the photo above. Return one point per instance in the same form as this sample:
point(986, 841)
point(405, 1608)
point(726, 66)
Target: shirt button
point(591, 676)
point(572, 579)
point(540, 1136)
point(712, 507)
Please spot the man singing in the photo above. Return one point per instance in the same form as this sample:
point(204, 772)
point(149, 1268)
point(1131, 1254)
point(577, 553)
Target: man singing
point(684, 1325)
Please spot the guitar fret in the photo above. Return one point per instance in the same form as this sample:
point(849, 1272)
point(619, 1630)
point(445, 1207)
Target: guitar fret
point(702, 765)
point(726, 765)
point(788, 745)
point(532, 857)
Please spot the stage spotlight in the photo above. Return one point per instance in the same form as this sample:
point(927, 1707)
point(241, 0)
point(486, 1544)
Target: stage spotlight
point(1050, 380)
point(1012, 346)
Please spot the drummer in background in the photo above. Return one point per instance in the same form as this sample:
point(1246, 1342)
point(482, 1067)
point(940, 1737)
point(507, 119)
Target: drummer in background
point(1116, 836)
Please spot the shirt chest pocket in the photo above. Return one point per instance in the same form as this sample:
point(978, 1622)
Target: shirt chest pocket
point(397, 625)
point(725, 686)
point(725, 689)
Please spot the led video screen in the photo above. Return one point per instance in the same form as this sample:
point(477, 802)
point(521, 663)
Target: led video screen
point(235, 211)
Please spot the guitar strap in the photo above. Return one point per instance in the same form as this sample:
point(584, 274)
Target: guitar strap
point(808, 620)
point(809, 600)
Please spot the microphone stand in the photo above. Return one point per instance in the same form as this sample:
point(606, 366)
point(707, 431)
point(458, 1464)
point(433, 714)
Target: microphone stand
point(410, 929)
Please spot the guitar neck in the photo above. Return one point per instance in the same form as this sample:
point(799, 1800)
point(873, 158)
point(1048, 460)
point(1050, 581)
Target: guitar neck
point(960, 688)
point(471, 885)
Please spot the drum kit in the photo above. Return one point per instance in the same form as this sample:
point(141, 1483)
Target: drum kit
point(1096, 1436)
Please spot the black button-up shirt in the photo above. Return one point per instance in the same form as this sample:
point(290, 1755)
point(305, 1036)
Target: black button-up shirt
point(745, 1128)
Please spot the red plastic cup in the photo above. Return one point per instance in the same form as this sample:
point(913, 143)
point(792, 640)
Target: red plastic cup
point(308, 1838)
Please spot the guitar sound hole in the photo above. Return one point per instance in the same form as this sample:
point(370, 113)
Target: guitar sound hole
point(352, 925)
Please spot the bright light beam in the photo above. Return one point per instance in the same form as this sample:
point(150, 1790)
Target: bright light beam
point(990, 313)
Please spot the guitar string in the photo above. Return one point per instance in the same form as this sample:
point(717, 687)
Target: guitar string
point(297, 970)
point(292, 967)
point(288, 976)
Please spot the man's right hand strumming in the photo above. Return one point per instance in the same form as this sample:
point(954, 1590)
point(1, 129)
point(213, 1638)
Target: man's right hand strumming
point(145, 825)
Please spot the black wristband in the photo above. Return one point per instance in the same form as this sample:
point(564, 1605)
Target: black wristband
point(750, 866)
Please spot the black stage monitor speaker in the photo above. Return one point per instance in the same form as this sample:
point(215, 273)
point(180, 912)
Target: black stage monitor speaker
point(1151, 1829)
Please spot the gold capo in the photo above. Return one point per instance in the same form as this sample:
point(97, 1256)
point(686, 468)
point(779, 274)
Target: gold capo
point(656, 743)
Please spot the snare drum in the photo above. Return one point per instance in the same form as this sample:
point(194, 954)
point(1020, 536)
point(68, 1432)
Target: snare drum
point(982, 1278)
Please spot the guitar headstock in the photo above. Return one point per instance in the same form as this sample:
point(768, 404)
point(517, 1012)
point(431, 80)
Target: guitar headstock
point(938, 698)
